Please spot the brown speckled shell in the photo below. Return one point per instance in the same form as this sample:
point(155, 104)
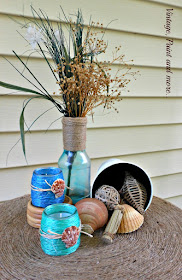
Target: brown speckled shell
point(70, 236)
point(58, 187)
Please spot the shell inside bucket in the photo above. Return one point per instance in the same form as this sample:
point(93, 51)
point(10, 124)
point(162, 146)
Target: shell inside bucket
point(114, 175)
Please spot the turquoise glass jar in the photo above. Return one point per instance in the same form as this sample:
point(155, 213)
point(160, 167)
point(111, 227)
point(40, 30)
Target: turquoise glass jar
point(60, 229)
point(74, 162)
point(76, 171)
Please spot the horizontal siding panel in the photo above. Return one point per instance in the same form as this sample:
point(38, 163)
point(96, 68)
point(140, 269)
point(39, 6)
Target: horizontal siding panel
point(143, 49)
point(167, 186)
point(147, 131)
point(102, 142)
point(17, 181)
point(38, 67)
point(135, 16)
point(132, 112)
point(155, 164)
point(173, 3)
point(177, 200)
point(22, 178)
point(151, 82)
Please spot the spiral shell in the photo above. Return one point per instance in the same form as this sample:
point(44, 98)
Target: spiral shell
point(70, 236)
point(93, 214)
point(58, 187)
point(131, 221)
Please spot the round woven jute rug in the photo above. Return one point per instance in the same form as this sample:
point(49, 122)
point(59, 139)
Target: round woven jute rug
point(153, 252)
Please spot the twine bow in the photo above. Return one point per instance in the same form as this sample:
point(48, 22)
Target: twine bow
point(55, 235)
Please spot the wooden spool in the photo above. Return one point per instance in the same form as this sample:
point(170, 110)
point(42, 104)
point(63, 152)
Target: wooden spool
point(34, 214)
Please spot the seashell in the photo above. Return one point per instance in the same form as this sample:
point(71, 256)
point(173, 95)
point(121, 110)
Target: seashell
point(93, 214)
point(58, 187)
point(70, 236)
point(131, 220)
point(134, 193)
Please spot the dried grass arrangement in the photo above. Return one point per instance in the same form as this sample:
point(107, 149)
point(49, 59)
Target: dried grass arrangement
point(84, 81)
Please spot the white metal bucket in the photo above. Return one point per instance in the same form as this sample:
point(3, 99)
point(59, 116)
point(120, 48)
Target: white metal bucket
point(111, 172)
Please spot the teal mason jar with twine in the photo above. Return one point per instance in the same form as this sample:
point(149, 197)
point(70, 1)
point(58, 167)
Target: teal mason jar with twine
point(60, 229)
point(74, 162)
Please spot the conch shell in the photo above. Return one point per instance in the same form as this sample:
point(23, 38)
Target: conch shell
point(131, 221)
point(93, 214)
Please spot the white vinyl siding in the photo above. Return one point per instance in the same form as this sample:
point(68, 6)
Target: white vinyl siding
point(147, 131)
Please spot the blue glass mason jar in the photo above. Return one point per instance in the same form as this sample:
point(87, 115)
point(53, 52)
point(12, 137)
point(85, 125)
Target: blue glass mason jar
point(42, 179)
point(74, 162)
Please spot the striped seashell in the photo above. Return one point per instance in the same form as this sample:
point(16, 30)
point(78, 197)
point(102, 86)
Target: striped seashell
point(70, 236)
point(134, 193)
point(131, 220)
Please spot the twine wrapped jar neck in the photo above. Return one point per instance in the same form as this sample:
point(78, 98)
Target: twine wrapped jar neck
point(74, 133)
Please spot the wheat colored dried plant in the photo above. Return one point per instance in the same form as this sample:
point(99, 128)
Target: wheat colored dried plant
point(84, 81)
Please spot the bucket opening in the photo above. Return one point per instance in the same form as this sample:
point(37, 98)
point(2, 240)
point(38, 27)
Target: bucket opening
point(114, 176)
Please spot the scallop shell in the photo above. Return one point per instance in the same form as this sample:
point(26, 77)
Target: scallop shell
point(92, 213)
point(58, 187)
point(70, 236)
point(131, 220)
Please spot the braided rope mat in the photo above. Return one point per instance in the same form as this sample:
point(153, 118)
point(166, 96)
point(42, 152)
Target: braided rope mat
point(153, 252)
